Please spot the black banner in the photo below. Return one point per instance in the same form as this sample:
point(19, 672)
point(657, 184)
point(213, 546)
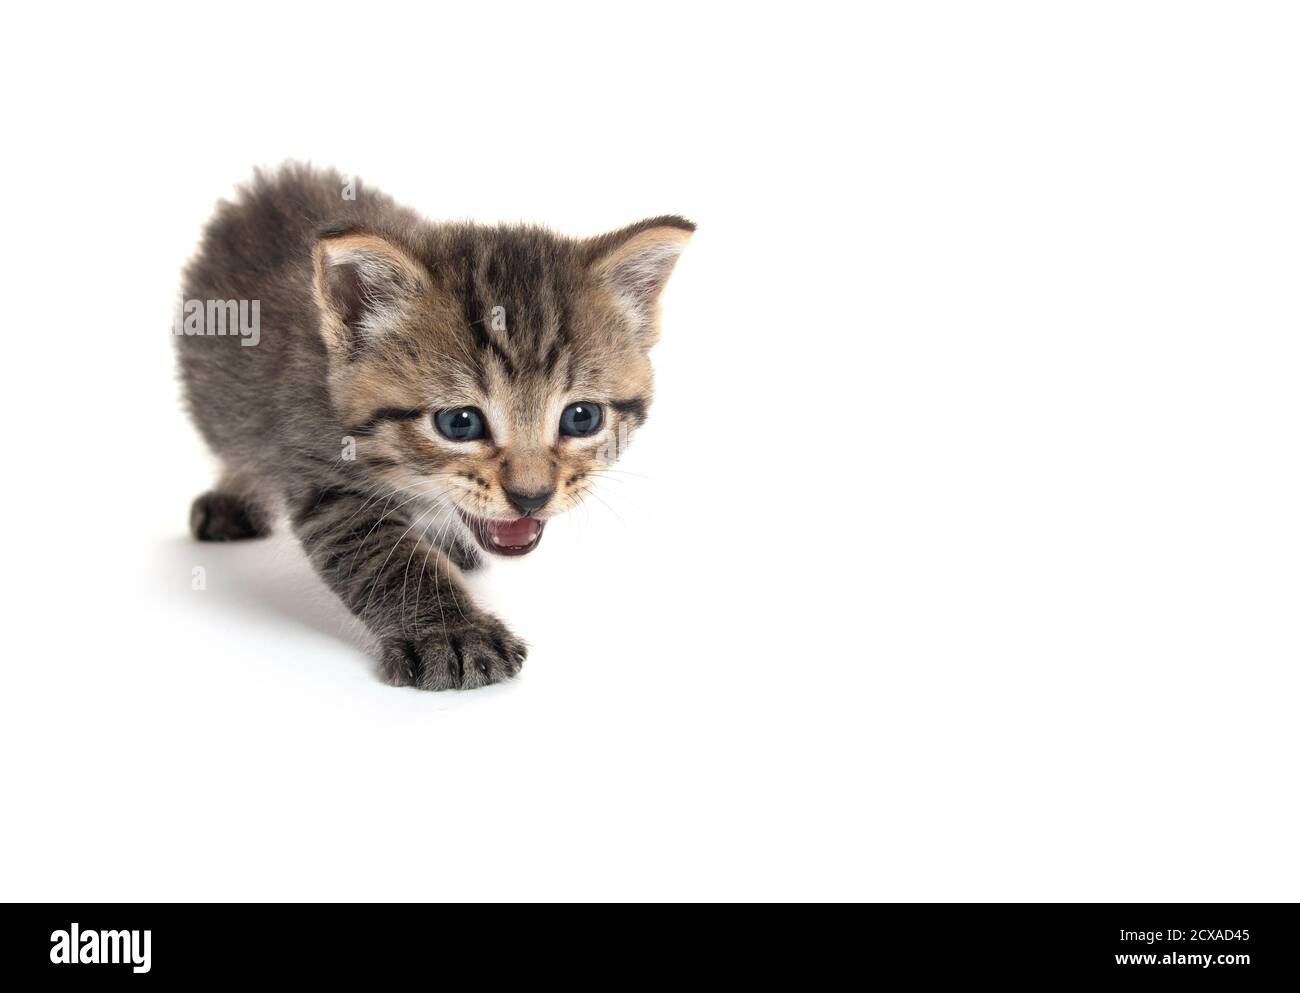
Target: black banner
point(1225, 945)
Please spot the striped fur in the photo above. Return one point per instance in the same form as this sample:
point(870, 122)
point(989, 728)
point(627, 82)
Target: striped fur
point(372, 319)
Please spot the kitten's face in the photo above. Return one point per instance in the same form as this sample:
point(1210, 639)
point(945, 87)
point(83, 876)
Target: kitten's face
point(492, 373)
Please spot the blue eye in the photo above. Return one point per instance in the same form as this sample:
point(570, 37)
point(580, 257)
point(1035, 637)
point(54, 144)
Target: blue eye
point(460, 423)
point(579, 419)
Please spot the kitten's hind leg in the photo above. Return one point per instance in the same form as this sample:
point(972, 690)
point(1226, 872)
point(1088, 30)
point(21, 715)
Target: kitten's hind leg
point(232, 511)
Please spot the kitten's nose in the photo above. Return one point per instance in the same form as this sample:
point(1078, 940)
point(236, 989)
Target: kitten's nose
point(529, 503)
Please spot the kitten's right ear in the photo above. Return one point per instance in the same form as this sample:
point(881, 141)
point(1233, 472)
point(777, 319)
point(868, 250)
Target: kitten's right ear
point(634, 264)
point(364, 285)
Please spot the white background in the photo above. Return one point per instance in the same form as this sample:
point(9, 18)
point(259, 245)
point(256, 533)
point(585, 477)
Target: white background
point(958, 559)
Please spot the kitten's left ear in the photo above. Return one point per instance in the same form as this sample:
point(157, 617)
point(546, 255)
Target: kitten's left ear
point(364, 286)
point(634, 264)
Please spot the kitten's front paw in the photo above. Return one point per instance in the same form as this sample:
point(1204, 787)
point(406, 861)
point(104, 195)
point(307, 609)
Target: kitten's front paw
point(463, 657)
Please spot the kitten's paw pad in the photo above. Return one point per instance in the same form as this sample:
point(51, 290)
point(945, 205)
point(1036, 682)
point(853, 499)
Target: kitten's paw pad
point(464, 658)
point(223, 517)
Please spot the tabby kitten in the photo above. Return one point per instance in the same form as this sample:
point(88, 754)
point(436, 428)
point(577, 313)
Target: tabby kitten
point(414, 392)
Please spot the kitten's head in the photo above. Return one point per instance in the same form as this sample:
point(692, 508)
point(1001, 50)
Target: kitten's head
point(493, 371)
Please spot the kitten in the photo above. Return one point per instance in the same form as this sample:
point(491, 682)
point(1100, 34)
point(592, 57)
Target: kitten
point(414, 392)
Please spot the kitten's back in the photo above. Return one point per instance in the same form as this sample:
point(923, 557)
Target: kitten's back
point(247, 398)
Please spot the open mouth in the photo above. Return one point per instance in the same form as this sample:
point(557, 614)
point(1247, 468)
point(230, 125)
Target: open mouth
point(517, 537)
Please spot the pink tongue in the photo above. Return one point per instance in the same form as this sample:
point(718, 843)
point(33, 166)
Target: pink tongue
point(514, 534)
